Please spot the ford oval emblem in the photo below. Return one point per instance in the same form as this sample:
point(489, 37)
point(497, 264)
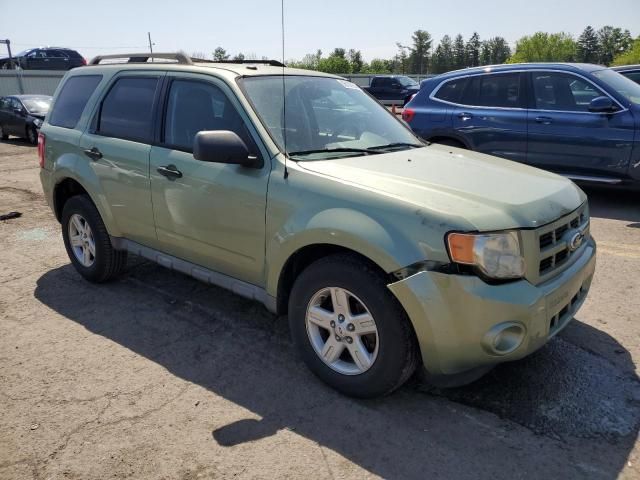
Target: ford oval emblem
point(575, 241)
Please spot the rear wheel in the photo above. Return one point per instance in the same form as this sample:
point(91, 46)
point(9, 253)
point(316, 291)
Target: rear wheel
point(87, 241)
point(32, 135)
point(349, 329)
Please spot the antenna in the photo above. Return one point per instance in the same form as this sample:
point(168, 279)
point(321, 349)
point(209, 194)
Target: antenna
point(284, 97)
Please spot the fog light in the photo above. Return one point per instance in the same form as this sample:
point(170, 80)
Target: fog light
point(503, 338)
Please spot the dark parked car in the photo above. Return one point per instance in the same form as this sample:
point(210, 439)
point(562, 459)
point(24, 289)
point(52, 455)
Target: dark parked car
point(629, 71)
point(580, 120)
point(45, 58)
point(393, 89)
point(22, 115)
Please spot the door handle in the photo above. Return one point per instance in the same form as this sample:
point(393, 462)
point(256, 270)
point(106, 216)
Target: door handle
point(464, 116)
point(169, 171)
point(544, 120)
point(93, 153)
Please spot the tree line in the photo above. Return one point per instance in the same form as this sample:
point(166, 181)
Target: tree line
point(606, 46)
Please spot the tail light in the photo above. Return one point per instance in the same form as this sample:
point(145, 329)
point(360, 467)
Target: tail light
point(84, 61)
point(408, 114)
point(41, 141)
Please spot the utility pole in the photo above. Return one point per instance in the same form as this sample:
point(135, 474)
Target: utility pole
point(150, 44)
point(7, 42)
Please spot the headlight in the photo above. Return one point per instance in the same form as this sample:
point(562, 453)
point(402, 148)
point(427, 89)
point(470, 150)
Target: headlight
point(37, 122)
point(496, 255)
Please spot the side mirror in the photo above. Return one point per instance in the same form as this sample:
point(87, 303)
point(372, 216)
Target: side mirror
point(602, 105)
point(17, 111)
point(223, 146)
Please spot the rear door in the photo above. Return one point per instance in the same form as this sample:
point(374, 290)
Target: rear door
point(492, 115)
point(211, 214)
point(118, 144)
point(566, 137)
point(57, 60)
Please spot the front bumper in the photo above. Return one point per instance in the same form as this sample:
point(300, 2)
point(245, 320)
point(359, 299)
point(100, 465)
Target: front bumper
point(455, 317)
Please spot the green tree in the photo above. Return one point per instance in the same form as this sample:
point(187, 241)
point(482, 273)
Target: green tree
point(500, 50)
point(220, 54)
point(239, 57)
point(613, 42)
point(339, 52)
point(401, 59)
point(420, 50)
point(334, 64)
point(459, 52)
point(631, 56)
point(545, 47)
point(588, 46)
point(379, 65)
point(473, 50)
point(355, 59)
point(445, 60)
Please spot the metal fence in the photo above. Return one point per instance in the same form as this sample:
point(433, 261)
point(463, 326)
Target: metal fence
point(364, 80)
point(43, 82)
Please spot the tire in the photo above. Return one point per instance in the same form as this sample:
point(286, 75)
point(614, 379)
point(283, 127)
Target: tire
point(393, 355)
point(105, 263)
point(3, 134)
point(450, 142)
point(32, 135)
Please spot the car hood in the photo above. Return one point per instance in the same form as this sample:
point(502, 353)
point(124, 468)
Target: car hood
point(488, 192)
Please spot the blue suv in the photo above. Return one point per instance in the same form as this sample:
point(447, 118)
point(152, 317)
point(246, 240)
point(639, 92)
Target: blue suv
point(579, 120)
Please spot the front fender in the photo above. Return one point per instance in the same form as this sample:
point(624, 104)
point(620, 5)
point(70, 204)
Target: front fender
point(68, 165)
point(343, 227)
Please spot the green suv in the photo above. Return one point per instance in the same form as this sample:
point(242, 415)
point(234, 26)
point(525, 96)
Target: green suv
point(298, 190)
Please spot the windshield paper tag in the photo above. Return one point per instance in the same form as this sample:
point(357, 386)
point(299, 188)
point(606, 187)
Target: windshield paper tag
point(347, 84)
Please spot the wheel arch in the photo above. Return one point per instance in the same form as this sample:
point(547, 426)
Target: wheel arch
point(68, 185)
point(305, 256)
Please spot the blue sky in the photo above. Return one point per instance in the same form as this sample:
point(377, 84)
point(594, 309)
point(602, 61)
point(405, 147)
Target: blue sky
point(252, 26)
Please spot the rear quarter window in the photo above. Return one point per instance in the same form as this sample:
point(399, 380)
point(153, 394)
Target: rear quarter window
point(452, 90)
point(72, 100)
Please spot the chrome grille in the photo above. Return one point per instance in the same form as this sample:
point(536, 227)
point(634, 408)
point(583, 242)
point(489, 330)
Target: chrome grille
point(552, 247)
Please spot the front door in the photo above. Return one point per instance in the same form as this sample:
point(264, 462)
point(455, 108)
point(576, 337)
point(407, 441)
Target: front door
point(211, 214)
point(117, 147)
point(566, 137)
point(492, 116)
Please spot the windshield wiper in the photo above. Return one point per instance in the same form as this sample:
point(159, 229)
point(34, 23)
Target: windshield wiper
point(396, 145)
point(335, 150)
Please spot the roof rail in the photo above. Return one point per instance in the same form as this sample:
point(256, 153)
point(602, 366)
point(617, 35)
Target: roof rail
point(142, 57)
point(273, 63)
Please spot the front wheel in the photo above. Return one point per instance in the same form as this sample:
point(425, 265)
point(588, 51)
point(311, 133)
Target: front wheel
point(87, 241)
point(350, 329)
point(3, 133)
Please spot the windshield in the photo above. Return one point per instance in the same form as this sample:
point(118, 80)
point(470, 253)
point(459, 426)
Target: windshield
point(37, 105)
point(325, 117)
point(621, 84)
point(407, 82)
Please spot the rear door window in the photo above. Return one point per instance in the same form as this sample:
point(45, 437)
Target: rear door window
point(72, 99)
point(502, 90)
point(127, 110)
point(563, 92)
point(452, 90)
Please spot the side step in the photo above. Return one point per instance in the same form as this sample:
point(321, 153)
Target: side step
point(203, 274)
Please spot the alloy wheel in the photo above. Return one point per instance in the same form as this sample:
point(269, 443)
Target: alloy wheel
point(81, 239)
point(342, 331)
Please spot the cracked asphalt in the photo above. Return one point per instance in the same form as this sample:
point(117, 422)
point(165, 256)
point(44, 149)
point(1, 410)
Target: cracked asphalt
point(159, 376)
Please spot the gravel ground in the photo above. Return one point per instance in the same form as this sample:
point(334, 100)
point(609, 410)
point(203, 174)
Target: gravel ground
point(158, 376)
